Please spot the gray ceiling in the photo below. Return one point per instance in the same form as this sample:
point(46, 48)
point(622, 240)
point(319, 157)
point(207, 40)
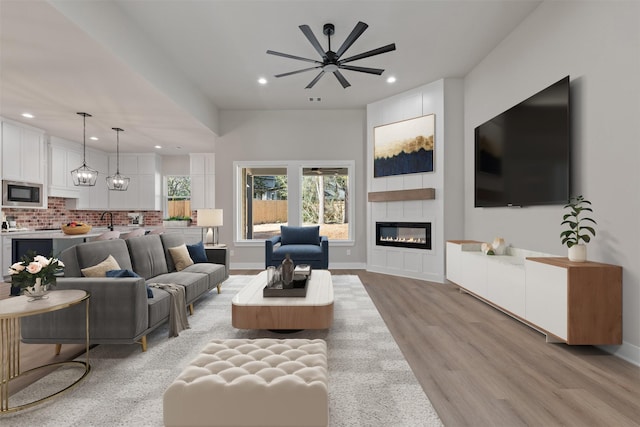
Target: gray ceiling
point(161, 70)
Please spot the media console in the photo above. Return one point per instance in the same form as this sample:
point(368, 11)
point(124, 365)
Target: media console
point(578, 303)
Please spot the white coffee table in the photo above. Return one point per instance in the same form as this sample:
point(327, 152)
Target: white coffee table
point(250, 310)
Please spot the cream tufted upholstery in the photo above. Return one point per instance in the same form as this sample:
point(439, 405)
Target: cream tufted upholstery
point(244, 382)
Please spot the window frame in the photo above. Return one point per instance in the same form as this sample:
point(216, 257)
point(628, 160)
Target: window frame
point(294, 194)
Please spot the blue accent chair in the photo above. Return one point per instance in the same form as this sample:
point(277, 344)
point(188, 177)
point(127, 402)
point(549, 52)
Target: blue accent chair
point(303, 244)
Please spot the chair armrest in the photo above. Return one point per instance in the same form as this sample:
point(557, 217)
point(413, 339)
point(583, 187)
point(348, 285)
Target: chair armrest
point(219, 256)
point(268, 249)
point(324, 243)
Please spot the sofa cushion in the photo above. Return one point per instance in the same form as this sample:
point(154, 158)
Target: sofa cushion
point(298, 252)
point(147, 255)
point(195, 284)
point(91, 253)
point(100, 270)
point(128, 273)
point(158, 307)
point(197, 252)
point(300, 235)
point(215, 272)
point(180, 256)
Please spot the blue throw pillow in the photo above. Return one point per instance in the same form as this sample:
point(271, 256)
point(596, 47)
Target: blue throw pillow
point(128, 273)
point(197, 252)
point(300, 235)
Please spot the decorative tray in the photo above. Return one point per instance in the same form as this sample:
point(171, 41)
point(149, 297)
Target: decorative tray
point(299, 288)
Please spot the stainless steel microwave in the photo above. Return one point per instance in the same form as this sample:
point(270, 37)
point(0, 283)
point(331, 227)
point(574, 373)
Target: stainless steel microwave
point(21, 194)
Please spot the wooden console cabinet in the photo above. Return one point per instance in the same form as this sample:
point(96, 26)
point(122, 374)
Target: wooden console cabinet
point(572, 302)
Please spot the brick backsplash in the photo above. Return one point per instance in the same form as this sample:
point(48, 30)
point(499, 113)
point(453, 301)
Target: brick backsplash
point(57, 214)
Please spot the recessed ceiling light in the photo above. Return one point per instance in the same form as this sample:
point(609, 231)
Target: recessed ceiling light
point(157, 146)
point(94, 138)
point(262, 81)
point(28, 115)
point(391, 79)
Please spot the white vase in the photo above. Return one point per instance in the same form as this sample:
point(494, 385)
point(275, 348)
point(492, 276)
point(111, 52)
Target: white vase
point(578, 253)
point(499, 246)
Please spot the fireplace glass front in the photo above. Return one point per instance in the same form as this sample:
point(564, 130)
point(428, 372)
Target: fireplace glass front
point(416, 235)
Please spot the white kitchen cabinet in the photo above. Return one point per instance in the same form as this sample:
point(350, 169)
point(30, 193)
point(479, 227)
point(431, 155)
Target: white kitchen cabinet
point(23, 153)
point(203, 181)
point(145, 186)
point(64, 156)
point(5, 254)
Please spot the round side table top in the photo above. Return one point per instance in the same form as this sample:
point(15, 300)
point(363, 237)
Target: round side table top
point(20, 306)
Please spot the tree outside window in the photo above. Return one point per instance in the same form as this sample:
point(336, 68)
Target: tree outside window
point(178, 196)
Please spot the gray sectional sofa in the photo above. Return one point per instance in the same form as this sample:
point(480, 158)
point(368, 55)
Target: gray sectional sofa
point(120, 311)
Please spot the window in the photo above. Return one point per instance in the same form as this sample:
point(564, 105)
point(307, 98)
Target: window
point(264, 203)
point(325, 196)
point(270, 194)
point(178, 196)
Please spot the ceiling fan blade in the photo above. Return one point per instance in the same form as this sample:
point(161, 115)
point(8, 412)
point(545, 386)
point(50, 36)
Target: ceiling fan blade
point(296, 72)
point(377, 71)
point(378, 51)
point(313, 40)
point(345, 84)
point(355, 33)
point(286, 55)
point(315, 80)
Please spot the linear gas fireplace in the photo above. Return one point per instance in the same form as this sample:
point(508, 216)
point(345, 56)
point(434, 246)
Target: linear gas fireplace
point(415, 235)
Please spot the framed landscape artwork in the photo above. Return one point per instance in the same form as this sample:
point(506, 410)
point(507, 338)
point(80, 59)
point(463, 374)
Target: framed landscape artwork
point(404, 147)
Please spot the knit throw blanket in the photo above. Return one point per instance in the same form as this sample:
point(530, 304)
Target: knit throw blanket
point(178, 313)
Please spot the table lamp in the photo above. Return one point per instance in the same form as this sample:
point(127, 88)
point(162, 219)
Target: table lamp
point(211, 218)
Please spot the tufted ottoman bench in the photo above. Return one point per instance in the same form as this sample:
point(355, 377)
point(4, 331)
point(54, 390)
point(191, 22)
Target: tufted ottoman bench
point(244, 382)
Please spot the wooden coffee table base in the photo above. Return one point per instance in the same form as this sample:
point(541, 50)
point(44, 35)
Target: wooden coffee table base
point(282, 317)
point(250, 310)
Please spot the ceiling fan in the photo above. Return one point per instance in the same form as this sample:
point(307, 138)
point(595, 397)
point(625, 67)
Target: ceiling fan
point(331, 62)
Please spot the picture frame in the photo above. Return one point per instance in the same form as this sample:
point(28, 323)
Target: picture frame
point(404, 147)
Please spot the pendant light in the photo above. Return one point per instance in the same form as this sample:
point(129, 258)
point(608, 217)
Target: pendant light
point(84, 176)
point(118, 182)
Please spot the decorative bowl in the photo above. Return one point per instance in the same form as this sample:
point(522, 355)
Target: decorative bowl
point(78, 229)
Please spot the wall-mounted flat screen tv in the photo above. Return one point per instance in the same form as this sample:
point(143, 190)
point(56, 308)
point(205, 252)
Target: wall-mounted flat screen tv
point(522, 156)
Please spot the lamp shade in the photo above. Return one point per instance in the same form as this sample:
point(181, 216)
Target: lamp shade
point(210, 217)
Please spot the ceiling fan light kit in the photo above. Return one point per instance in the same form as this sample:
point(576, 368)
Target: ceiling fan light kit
point(331, 61)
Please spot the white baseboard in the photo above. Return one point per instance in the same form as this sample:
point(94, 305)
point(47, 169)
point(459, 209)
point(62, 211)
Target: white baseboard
point(626, 351)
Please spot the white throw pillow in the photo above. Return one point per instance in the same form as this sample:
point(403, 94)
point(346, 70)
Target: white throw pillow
point(181, 258)
point(100, 270)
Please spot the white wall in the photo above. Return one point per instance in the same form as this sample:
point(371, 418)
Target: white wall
point(291, 135)
point(598, 45)
point(447, 179)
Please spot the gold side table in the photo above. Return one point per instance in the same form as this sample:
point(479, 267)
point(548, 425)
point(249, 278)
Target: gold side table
point(11, 310)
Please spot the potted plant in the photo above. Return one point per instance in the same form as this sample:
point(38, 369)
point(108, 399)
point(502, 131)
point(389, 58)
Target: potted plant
point(176, 221)
point(577, 235)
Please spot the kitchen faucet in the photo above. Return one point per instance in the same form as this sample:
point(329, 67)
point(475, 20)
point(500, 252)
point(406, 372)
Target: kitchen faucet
point(110, 219)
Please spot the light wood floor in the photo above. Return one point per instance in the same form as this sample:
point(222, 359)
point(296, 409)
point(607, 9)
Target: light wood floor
point(479, 367)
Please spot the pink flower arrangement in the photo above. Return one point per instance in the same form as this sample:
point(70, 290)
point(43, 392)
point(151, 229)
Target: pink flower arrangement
point(25, 272)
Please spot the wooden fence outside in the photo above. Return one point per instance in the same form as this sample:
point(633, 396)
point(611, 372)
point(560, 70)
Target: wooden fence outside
point(269, 211)
point(179, 208)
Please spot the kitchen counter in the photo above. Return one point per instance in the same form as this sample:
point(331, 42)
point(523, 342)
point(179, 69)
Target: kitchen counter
point(52, 234)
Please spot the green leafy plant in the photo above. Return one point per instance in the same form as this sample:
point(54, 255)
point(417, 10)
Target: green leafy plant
point(178, 218)
point(577, 232)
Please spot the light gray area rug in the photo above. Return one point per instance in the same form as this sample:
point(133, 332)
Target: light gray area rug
point(370, 382)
